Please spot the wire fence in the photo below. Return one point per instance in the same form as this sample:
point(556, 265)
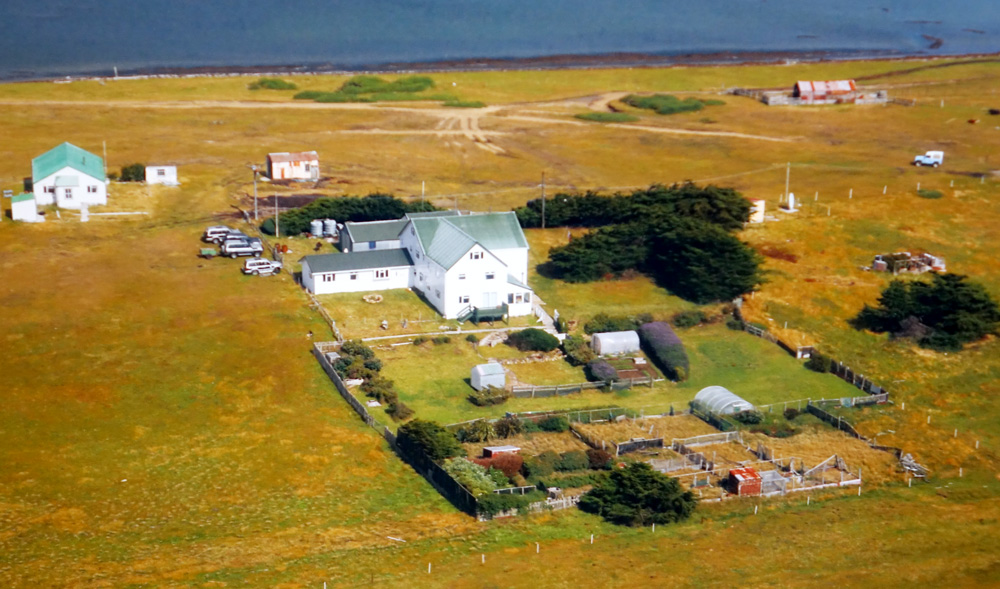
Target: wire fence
point(532, 391)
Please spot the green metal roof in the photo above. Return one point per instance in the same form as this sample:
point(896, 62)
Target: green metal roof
point(442, 242)
point(375, 230)
point(65, 155)
point(366, 260)
point(432, 214)
point(518, 283)
point(495, 231)
point(23, 197)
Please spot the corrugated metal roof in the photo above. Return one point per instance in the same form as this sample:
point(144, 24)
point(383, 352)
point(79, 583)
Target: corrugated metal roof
point(65, 181)
point(297, 156)
point(375, 230)
point(432, 214)
point(442, 242)
point(66, 155)
point(490, 369)
point(826, 87)
point(366, 260)
point(495, 231)
point(23, 197)
point(518, 283)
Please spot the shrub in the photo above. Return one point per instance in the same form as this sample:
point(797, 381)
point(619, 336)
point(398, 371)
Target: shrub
point(561, 324)
point(441, 339)
point(508, 426)
point(498, 477)
point(573, 460)
point(818, 363)
point(472, 338)
point(495, 503)
point(599, 370)
point(272, 84)
point(399, 411)
point(356, 348)
point(464, 104)
point(666, 104)
point(573, 480)
point(638, 496)
point(419, 340)
point(665, 348)
point(533, 340)
point(472, 476)
point(599, 459)
point(429, 438)
point(133, 173)
point(479, 430)
point(608, 117)
point(489, 396)
point(927, 193)
point(381, 389)
point(374, 207)
point(529, 426)
point(578, 351)
point(688, 318)
point(554, 423)
point(734, 324)
point(509, 464)
point(791, 413)
point(749, 417)
point(541, 465)
point(602, 323)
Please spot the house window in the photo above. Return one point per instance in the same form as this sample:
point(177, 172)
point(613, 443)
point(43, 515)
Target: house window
point(91, 189)
point(510, 298)
point(68, 193)
point(437, 293)
point(329, 277)
point(463, 299)
point(371, 245)
point(381, 274)
point(490, 275)
point(518, 298)
point(461, 276)
point(354, 276)
point(161, 172)
point(50, 189)
point(527, 297)
point(307, 167)
point(476, 255)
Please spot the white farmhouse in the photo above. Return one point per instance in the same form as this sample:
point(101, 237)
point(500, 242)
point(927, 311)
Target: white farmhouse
point(466, 266)
point(162, 175)
point(301, 165)
point(69, 177)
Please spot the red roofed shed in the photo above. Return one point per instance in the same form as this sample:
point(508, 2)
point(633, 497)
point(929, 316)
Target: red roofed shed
point(824, 90)
point(744, 482)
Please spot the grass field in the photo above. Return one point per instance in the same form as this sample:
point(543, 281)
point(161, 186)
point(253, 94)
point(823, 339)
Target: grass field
point(163, 423)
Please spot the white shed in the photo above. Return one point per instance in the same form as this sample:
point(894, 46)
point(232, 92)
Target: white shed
point(300, 165)
point(162, 175)
point(488, 375)
point(615, 342)
point(721, 400)
point(24, 208)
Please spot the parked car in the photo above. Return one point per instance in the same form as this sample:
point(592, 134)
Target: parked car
point(931, 158)
point(216, 233)
point(244, 247)
point(234, 236)
point(262, 267)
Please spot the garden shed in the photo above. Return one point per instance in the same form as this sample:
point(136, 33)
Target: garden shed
point(614, 343)
point(488, 375)
point(721, 400)
point(491, 451)
point(744, 482)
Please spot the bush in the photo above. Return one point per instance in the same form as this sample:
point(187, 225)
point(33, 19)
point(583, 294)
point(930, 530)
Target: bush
point(356, 348)
point(399, 411)
point(272, 84)
point(734, 324)
point(498, 477)
point(464, 104)
point(509, 464)
point(608, 117)
point(638, 496)
point(554, 423)
point(419, 340)
point(749, 417)
point(479, 430)
point(472, 338)
point(665, 348)
point(133, 173)
point(441, 339)
point(599, 459)
point(932, 194)
point(666, 104)
point(603, 323)
point(688, 318)
point(791, 413)
point(599, 370)
point(561, 324)
point(578, 351)
point(818, 363)
point(573, 460)
point(374, 207)
point(533, 340)
point(508, 426)
point(381, 389)
point(529, 426)
point(470, 475)
point(574, 480)
point(489, 396)
point(495, 503)
point(429, 438)
point(542, 465)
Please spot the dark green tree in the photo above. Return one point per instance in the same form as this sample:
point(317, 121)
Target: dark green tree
point(430, 438)
point(133, 173)
point(637, 495)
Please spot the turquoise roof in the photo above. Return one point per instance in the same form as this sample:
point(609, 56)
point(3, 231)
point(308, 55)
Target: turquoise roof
point(23, 197)
point(446, 239)
point(367, 260)
point(518, 283)
point(432, 214)
point(375, 230)
point(65, 155)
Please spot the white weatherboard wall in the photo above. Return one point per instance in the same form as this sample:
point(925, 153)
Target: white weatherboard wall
point(74, 189)
point(482, 291)
point(488, 375)
point(162, 175)
point(362, 281)
point(24, 209)
point(516, 260)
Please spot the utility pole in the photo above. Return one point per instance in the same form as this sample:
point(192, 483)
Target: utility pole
point(254, 168)
point(423, 185)
point(104, 144)
point(543, 199)
point(788, 173)
point(277, 231)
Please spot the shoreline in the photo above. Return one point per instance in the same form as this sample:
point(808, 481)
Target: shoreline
point(550, 62)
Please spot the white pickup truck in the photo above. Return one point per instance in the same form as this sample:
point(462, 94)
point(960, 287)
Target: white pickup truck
point(244, 247)
point(931, 158)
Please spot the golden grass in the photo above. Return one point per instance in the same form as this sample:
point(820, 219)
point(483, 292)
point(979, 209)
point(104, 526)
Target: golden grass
point(815, 446)
point(668, 428)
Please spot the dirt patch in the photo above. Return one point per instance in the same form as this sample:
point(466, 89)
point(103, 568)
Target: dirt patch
point(531, 444)
point(668, 428)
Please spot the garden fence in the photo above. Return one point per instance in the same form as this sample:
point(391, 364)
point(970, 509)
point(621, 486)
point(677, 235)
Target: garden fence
point(636, 445)
point(531, 391)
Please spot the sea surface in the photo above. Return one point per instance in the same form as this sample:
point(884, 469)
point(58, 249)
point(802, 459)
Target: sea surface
point(46, 38)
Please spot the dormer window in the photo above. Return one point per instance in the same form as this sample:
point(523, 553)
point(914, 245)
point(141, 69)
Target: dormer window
point(490, 275)
point(476, 255)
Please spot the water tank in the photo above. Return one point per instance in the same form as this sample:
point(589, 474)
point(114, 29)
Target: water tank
point(316, 227)
point(330, 227)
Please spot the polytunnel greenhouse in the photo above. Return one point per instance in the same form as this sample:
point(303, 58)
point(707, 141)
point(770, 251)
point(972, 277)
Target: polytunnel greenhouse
point(721, 401)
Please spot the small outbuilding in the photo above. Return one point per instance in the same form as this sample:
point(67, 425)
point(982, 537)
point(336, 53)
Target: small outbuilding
point(488, 375)
point(162, 175)
point(491, 451)
point(24, 208)
point(300, 165)
point(613, 343)
point(721, 401)
point(744, 482)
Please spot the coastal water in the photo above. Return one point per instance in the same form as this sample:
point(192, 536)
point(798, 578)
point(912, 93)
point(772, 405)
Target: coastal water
point(44, 38)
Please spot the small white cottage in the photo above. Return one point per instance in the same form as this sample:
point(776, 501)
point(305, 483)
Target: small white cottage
point(488, 375)
point(162, 175)
point(300, 165)
point(23, 208)
point(69, 177)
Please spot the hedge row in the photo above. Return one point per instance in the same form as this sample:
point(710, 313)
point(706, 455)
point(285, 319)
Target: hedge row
point(665, 348)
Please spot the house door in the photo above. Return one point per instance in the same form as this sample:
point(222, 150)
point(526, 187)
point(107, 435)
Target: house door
point(490, 299)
